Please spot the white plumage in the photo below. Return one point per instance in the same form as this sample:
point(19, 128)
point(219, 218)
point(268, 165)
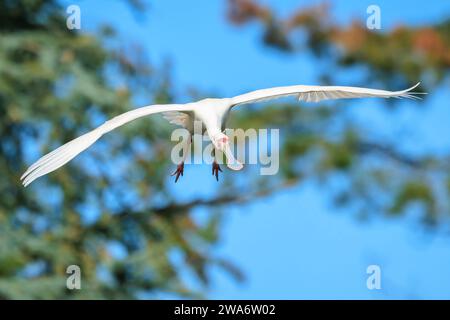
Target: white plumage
point(212, 112)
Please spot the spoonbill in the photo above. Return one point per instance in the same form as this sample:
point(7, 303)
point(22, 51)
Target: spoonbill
point(213, 114)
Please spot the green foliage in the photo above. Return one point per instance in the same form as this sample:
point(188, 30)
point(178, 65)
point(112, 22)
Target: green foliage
point(53, 87)
point(413, 191)
point(324, 144)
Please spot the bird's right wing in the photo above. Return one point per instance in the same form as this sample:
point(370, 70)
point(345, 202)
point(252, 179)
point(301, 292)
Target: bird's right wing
point(71, 149)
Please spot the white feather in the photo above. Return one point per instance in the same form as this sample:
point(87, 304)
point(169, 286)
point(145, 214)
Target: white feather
point(179, 118)
point(71, 149)
point(318, 93)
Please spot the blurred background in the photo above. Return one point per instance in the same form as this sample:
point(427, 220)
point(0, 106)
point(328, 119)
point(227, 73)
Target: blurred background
point(361, 182)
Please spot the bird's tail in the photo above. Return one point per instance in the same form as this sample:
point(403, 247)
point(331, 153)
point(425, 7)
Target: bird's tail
point(60, 156)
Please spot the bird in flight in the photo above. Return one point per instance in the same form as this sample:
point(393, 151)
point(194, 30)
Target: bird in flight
point(213, 114)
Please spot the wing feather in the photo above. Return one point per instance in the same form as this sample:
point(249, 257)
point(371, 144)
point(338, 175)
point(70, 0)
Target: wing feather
point(179, 118)
point(71, 149)
point(318, 93)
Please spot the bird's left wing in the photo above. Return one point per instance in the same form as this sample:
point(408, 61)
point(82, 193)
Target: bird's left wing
point(71, 149)
point(318, 93)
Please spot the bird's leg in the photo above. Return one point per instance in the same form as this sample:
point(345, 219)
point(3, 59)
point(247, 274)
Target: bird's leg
point(180, 167)
point(215, 170)
point(178, 171)
point(215, 167)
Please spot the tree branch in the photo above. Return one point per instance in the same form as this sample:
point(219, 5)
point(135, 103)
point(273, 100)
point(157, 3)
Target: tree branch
point(368, 147)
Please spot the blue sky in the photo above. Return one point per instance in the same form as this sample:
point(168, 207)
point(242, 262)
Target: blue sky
point(293, 244)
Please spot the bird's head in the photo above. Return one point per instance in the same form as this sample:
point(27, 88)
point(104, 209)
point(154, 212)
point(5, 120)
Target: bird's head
point(222, 143)
point(220, 140)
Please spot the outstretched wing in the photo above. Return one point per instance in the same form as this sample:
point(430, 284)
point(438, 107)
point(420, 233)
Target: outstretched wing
point(318, 93)
point(71, 149)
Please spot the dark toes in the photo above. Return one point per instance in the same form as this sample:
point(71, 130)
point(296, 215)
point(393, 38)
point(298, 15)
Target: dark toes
point(179, 171)
point(215, 170)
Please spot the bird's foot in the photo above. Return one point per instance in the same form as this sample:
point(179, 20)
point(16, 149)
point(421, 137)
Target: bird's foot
point(178, 172)
point(215, 170)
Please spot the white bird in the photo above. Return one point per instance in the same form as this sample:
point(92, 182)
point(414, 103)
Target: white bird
point(213, 113)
